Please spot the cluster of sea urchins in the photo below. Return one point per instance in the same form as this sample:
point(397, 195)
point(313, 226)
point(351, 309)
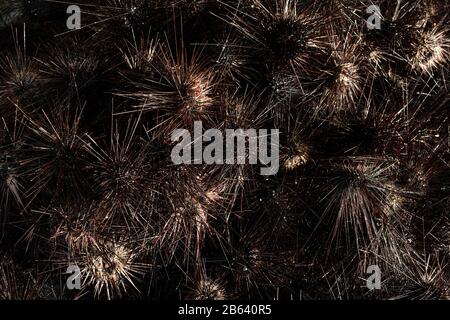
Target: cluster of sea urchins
point(87, 178)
